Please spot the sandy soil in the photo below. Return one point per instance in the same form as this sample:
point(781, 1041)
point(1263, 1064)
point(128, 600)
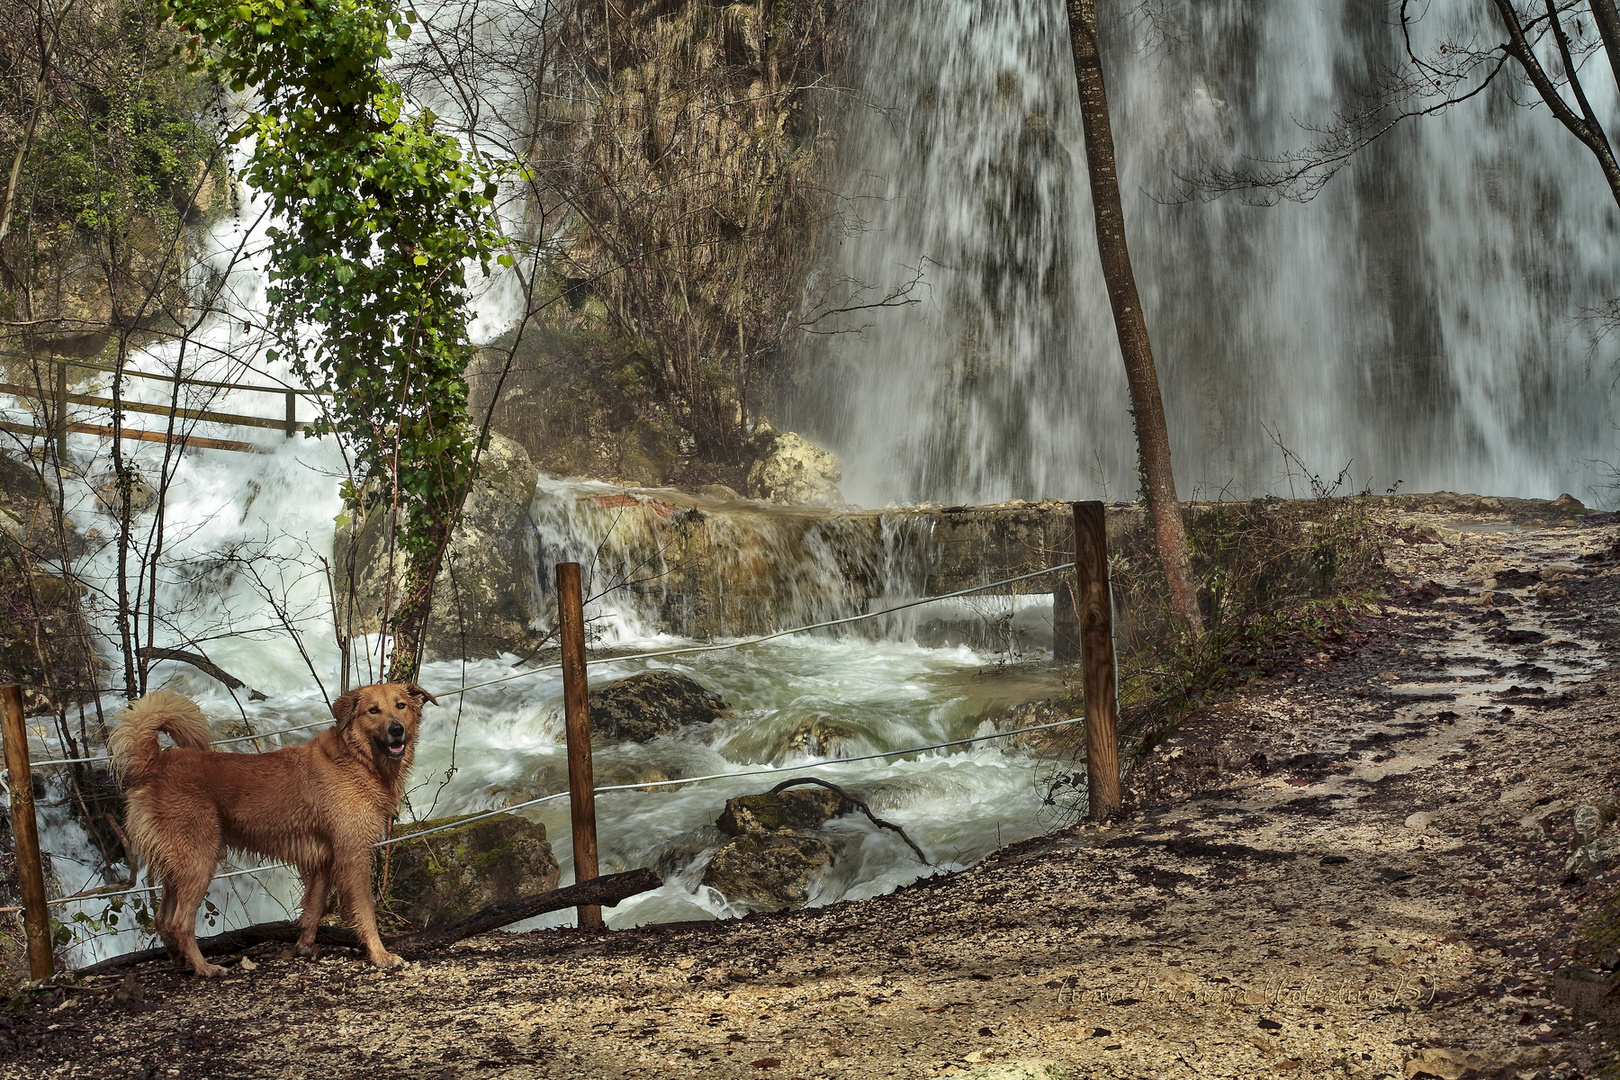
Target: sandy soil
point(1356, 869)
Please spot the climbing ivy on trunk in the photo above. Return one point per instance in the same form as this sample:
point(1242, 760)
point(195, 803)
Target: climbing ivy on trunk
point(378, 217)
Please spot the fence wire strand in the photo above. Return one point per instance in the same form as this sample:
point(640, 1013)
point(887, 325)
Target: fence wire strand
point(776, 770)
point(685, 650)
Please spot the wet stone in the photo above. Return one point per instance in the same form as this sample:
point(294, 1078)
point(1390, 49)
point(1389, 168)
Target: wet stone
point(794, 808)
point(651, 704)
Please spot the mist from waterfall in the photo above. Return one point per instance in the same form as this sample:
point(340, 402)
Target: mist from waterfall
point(1418, 322)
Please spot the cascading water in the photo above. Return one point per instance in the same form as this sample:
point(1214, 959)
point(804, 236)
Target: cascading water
point(1418, 321)
point(243, 577)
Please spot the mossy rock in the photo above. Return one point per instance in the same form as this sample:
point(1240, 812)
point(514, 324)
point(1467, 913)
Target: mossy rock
point(651, 704)
point(770, 870)
point(444, 877)
point(776, 811)
point(484, 605)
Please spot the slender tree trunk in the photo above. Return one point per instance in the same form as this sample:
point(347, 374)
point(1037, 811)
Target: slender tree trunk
point(1583, 124)
point(1608, 25)
point(409, 622)
point(1152, 435)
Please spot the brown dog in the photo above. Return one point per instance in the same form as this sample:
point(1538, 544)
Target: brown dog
point(319, 806)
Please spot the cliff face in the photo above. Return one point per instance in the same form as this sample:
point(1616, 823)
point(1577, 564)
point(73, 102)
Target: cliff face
point(679, 172)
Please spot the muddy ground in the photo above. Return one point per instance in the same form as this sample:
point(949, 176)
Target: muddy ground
point(1358, 868)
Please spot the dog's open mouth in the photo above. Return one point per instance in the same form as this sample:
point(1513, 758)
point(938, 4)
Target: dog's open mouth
point(394, 749)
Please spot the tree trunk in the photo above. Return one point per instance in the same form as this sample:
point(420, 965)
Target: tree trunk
point(1152, 435)
point(409, 622)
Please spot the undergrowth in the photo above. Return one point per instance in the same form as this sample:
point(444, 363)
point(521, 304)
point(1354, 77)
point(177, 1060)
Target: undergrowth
point(1282, 581)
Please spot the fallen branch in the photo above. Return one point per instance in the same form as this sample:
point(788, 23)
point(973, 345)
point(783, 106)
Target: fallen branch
point(604, 891)
point(204, 665)
point(858, 804)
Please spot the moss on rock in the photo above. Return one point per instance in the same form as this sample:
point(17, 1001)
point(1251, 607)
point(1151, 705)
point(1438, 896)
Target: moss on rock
point(441, 878)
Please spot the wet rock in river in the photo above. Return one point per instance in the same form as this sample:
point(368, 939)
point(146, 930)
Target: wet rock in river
point(769, 869)
point(818, 735)
point(773, 854)
point(777, 811)
point(442, 877)
point(651, 704)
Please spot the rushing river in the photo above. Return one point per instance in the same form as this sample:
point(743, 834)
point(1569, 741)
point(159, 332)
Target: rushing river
point(246, 536)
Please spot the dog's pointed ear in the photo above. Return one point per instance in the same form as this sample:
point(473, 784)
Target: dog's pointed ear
point(343, 708)
point(419, 695)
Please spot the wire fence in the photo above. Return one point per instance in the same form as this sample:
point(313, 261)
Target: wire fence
point(640, 785)
point(458, 822)
point(685, 650)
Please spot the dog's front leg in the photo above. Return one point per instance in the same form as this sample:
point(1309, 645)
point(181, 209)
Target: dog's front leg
point(353, 872)
point(317, 884)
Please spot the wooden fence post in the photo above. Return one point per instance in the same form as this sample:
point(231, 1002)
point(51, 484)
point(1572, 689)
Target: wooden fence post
point(60, 419)
point(25, 833)
point(1095, 614)
point(292, 413)
point(577, 728)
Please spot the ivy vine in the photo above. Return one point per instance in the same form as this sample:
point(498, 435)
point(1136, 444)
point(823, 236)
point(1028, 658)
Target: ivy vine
point(379, 215)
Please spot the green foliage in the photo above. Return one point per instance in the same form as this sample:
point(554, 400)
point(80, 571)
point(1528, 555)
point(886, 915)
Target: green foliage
point(132, 151)
point(379, 213)
point(109, 166)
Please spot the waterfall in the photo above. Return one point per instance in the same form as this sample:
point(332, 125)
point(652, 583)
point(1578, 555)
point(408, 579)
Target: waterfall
point(1417, 322)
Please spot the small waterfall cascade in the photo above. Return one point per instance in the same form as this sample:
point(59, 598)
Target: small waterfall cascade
point(243, 578)
point(1419, 321)
point(660, 562)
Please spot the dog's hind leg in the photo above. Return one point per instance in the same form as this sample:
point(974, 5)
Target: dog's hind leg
point(317, 885)
point(164, 920)
point(185, 871)
point(187, 889)
point(353, 872)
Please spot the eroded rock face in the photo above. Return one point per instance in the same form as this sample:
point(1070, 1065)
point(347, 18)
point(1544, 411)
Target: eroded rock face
point(484, 602)
point(791, 469)
point(45, 641)
point(441, 878)
point(651, 704)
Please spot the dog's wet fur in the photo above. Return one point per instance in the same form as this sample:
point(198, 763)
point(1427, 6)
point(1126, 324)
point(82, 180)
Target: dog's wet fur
point(320, 806)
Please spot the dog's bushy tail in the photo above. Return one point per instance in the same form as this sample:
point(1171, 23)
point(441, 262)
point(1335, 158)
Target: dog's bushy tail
point(133, 744)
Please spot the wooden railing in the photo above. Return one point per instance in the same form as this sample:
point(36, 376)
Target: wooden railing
point(60, 399)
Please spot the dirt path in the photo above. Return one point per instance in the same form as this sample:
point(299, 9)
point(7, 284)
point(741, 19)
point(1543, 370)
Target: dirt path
point(1356, 870)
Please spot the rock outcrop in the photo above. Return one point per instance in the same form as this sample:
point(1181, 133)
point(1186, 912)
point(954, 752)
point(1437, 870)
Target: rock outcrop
point(791, 469)
point(484, 602)
point(440, 878)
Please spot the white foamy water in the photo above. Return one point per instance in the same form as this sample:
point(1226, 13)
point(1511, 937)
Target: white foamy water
point(1419, 321)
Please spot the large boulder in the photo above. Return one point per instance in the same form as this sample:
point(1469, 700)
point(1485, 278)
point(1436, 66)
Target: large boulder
point(769, 870)
point(484, 602)
point(774, 852)
point(791, 469)
point(443, 877)
point(651, 704)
